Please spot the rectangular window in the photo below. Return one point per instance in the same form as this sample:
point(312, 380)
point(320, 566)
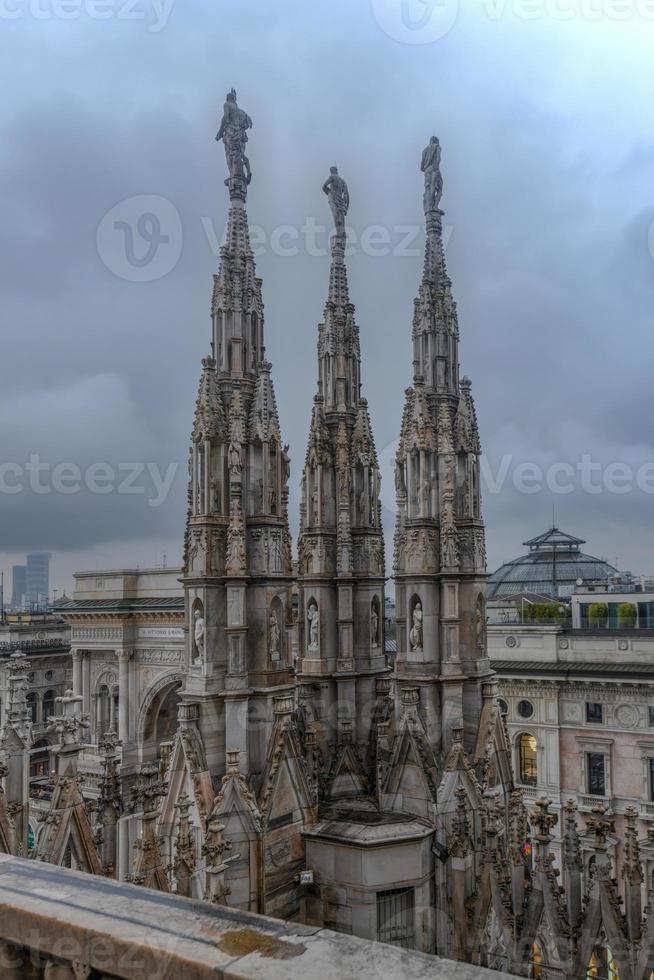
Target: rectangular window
point(395, 917)
point(651, 716)
point(594, 713)
point(651, 778)
point(596, 773)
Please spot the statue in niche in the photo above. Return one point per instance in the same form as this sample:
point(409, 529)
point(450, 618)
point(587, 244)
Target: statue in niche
point(274, 636)
point(376, 556)
point(215, 496)
point(480, 626)
point(374, 626)
point(315, 509)
point(272, 500)
point(415, 636)
point(431, 168)
point(234, 458)
point(286, 465)
point(423, 496)
point(339, 198)
point(450, 547)
point(197, 554)
point(233, 132)
point(313, 618)
point(276, 553)
point(363, 506)
point(199, 636)
point(235, 558)
point(400, 485)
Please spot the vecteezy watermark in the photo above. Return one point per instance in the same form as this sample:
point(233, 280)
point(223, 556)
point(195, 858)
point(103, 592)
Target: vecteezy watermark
point(140, 239)
point(562, 477)
point(154, 13)
point(426, 21)
point(415, 21)
point(313, 239)
point(40, 477)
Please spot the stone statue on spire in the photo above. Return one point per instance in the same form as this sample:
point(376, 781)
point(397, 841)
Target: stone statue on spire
point(339, 198)
point(431, 168)
point(233, 132)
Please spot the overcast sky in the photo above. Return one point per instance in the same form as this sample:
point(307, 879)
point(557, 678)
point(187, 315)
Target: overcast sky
point(112, 203)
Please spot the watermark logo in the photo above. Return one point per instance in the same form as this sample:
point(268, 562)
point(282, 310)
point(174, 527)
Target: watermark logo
point(40, 477)
point(154, 13)
point(510, 474)
point(416, 21)
point(140, 238)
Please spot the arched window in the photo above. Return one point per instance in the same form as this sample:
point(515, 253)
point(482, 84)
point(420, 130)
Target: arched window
point(527, 759)
point(504, 708)
point(48, 705)
point(31, 706)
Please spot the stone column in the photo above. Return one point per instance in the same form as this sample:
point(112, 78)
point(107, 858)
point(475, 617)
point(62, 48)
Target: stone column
point(112, 711)
point(77, 671)
point(123, 694)
point(86, 682)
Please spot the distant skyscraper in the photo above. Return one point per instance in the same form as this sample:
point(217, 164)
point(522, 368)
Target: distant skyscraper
point(38, 577)
point(18, 586)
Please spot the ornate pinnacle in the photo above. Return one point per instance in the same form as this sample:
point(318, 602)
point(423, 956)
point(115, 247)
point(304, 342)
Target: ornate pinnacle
point(461, 843)
point(601, 824)
point(148, 790)
point(632, 869)
point(109, 743)
point(571, 843)
point(542, 821)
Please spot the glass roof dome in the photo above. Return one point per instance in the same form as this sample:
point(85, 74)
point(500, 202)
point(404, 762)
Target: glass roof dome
point(554, 566)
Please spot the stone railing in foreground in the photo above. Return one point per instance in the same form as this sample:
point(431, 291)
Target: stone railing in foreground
point(64, 925)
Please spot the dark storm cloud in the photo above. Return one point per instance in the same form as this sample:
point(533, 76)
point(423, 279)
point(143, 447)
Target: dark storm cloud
point(547, 173)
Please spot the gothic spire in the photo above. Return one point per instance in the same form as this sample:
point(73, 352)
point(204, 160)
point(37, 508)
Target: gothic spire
point(435, 327)
point(341, 546)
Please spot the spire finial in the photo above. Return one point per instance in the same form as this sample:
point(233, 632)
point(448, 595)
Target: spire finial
point(233, 132)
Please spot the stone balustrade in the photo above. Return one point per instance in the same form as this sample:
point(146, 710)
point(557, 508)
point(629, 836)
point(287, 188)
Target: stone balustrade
point(58, 924)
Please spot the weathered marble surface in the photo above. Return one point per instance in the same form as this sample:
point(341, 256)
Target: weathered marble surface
point(78, 922)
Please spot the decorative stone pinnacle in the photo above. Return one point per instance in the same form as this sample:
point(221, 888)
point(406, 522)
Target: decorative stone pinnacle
point(542, 820)
point(600, 824)
point(410, 696)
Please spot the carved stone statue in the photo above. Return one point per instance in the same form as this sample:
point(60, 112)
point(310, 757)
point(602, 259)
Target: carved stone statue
point(339, 198)
point(286, 465)
point(233, 132)
point(313, 618)
point(431, 168)
point(274, 636)
point(374, 627)
point(234, 458)
point(415, 636)
point(199, 633)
